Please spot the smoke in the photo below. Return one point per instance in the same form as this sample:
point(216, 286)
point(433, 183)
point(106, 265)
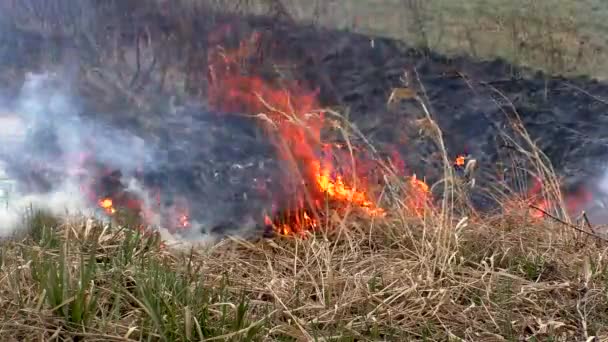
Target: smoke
point(205, 174)
point(64, 200)
point(42, 139)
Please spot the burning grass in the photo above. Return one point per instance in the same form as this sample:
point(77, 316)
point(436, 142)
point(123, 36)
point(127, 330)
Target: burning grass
point(424, 270)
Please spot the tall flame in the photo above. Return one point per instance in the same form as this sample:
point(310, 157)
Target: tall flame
point(289, 112)
point(293, 122)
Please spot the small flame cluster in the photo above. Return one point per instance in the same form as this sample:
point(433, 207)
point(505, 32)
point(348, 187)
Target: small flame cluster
point(540, 206)
point(117, 199)
point(107, 205)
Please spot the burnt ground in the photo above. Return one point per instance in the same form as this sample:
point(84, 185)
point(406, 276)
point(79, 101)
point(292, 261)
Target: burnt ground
point(355, 73)
point(472, 101)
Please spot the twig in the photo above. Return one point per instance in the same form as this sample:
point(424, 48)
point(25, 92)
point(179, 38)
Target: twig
point(595, 97)
point(568, 224)
point(137, 58)
point(587, 221)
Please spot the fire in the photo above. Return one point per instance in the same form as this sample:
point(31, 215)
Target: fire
point(538, 206)
point(460, 159)
point(292, 224)
point(293, 123)
point(184, 221)
point(107, 205)
point(419, 195)
point(336, 189)
point(290, 114)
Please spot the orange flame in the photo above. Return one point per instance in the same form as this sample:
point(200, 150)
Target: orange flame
point(336, 189)
point(419, 195)
point(292, 123)
point(184, 221)
point(460, 159)
point(107, 205)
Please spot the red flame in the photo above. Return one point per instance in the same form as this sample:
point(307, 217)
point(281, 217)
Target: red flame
point(539, 206)
point(291, 115)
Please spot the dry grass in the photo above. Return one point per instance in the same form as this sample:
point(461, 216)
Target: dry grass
point(504, 278)
point(440, 276)
point(556, 36)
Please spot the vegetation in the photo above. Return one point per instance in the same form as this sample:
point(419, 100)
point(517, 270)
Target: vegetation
point(504, 278)
point(557, 36)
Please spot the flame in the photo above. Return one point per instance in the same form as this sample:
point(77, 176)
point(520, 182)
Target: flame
point(419, 195)
point(538, 206)
point(184, 221)
point(336, 189)
point(460, 159)
point(293, 224)
point(107, 205)
point(293, 123)
point(289, 113)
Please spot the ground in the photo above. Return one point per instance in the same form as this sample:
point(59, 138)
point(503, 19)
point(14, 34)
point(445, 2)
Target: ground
point(556, 35)
point(503, 279)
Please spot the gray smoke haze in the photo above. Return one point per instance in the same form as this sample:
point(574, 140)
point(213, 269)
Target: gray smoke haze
point(62, 161)
point(42, 138)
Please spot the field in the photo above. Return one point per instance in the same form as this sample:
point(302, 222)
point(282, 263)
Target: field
point(442, 272)
point(557, 36)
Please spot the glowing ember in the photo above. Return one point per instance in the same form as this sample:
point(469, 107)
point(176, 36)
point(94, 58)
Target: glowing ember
point(107, 205)
point(460, 161)
point(184, 221)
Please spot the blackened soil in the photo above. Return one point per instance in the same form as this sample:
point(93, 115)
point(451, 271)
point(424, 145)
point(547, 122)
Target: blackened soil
point(475, 103)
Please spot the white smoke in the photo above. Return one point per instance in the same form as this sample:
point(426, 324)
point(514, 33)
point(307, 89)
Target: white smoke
point(45, 107)
point(65, 200)
point(597, 209)
point(43, 127)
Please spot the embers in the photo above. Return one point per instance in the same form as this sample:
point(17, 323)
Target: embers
point(291, 222)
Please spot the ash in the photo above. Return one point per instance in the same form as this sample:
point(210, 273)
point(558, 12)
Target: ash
point(218, 163)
